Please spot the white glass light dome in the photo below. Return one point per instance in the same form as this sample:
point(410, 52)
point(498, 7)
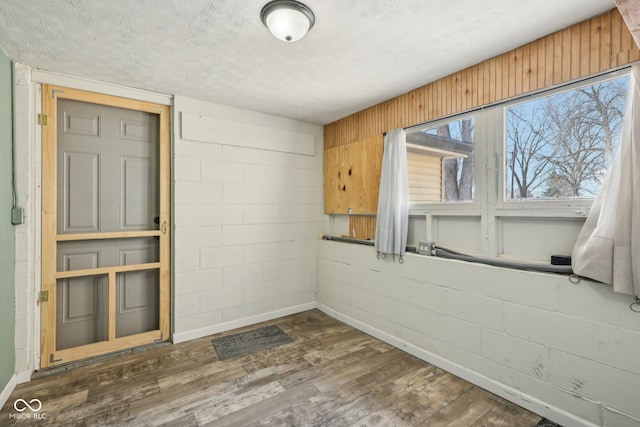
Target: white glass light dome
point(287, 20)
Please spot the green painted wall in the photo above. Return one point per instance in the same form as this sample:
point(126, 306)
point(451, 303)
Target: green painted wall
point(7, 236)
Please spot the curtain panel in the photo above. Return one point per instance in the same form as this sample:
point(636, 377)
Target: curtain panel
point(393, 199)
point(608, 246)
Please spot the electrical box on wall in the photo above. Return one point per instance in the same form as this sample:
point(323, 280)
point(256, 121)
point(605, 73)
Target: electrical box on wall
point(560, 259)
point(17, 215)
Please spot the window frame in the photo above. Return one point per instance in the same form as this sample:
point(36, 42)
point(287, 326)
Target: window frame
point(567, 207)
point(454, 208)
point(490, 206)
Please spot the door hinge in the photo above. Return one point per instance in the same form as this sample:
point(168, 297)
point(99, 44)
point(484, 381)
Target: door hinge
point(44, 296)
point(42, 119)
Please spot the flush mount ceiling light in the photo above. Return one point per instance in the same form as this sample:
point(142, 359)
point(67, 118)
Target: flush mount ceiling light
point(288, 20)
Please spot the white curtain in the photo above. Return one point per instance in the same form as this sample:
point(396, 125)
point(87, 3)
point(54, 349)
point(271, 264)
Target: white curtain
point(393, 199)
point(608, 247)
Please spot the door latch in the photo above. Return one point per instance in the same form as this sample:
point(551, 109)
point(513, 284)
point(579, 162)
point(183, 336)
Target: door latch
point(44, 296)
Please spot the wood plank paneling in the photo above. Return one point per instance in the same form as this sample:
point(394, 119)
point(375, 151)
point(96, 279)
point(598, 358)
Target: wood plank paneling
point(566, 55)
point(362, 226)
point(594, 51)
point(605, 42)
point(574, 63)
point(584, 49)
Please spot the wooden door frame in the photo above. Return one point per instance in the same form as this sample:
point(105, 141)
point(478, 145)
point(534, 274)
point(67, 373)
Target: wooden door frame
point(50, 237)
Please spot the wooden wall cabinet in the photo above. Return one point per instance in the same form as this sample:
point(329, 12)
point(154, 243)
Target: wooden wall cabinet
point(352, 177)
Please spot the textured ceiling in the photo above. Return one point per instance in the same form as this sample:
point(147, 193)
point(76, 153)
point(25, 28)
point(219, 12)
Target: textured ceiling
point(359, 53)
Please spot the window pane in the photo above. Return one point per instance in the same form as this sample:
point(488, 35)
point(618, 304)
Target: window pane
point(561, 146)
point(441, 163)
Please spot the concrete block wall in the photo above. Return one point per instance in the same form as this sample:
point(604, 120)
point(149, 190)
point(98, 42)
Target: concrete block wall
point(566, 351)
point(27, 262)
point(245, 220)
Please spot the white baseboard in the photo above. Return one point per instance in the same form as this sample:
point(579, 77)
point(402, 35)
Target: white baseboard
point(240, 323)
point(508, 393)
point(23, 376)
point(7, 390)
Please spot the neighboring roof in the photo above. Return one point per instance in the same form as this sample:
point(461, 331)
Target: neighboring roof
point(438, 145)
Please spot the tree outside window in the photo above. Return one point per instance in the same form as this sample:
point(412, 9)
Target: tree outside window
point(561, 146)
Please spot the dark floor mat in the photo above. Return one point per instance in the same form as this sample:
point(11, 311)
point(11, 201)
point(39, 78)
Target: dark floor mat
point(245, 343)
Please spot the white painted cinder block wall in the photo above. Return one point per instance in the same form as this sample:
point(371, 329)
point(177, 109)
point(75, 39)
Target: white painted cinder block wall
point(27, 272)
point(566, 351)
point(246, 219)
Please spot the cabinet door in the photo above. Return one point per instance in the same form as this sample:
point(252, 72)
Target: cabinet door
point(335, 196)
point(352, 177)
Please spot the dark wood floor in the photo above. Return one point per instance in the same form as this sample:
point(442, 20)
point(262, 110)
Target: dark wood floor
point(331, 375)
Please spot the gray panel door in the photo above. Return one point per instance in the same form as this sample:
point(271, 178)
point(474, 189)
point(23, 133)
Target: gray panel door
point(108, 181)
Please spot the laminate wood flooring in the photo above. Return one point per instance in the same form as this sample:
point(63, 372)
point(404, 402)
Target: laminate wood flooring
point(331, 375)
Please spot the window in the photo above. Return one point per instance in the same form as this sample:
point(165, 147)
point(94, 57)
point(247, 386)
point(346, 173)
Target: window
point(515, 180)
point(561, 145)
point(441, 162)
